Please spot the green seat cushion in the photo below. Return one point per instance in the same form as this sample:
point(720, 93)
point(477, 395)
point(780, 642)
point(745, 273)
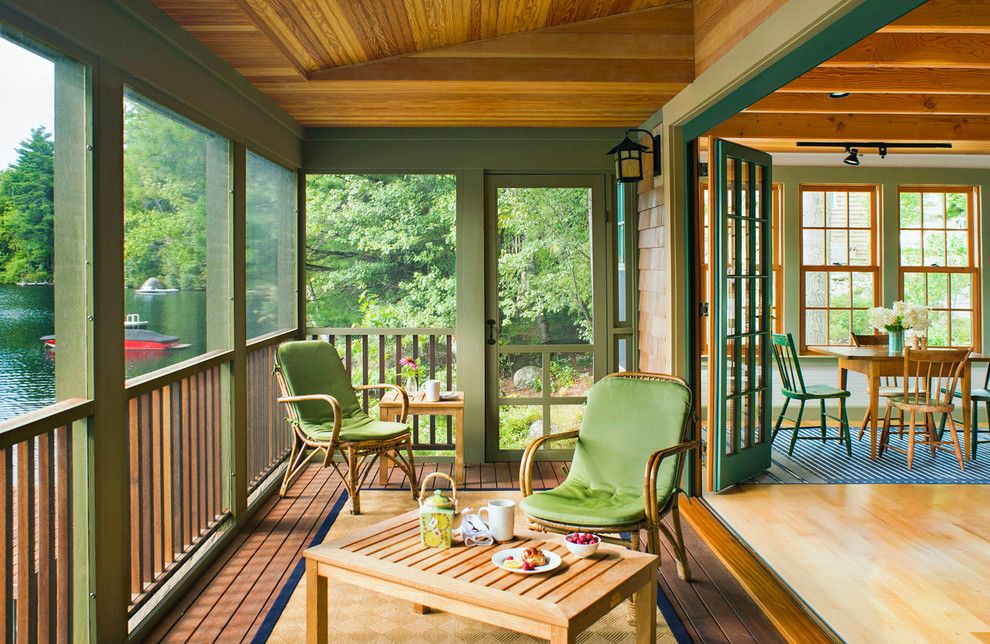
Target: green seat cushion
point(815, 392)
point(625, 421)
point(358, 428)
point(576, 504)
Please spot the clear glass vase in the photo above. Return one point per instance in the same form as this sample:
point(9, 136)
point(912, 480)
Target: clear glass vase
point(411, 385)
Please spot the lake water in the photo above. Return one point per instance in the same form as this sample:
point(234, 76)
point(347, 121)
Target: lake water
point(27, 369)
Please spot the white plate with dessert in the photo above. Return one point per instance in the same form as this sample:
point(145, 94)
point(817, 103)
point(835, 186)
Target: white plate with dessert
point(526, 561)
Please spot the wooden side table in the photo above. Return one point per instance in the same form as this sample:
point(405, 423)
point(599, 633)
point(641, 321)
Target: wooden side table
point(390, 408)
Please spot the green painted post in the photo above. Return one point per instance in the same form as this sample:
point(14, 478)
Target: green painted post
point(235, 441)
point(301, 315)
point(470, 277)
point(107, 458)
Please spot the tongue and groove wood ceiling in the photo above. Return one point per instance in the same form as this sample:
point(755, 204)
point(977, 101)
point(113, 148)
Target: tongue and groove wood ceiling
point(453, 62)
point(924, 77)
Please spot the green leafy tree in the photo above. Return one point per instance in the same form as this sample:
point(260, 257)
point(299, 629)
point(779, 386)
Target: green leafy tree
point(27, 213)
point(380, 250)
point(544, 265)
point(164, 199)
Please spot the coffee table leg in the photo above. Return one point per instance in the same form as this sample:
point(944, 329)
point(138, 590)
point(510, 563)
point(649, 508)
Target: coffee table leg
point(459, 447)
point(562, 635)
point(645, 600)
point(420, 609)
point(316, 605)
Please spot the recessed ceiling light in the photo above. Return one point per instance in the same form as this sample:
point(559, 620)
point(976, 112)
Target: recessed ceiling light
point(838, 94)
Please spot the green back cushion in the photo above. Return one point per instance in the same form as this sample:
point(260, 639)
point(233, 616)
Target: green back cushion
point(625, 421)
point(314, 367)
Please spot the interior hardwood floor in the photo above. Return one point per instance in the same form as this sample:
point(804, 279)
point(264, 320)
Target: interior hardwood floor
point(229, 602)
point(880, 563)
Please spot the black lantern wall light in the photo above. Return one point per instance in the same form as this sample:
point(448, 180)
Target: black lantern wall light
point(629, 157)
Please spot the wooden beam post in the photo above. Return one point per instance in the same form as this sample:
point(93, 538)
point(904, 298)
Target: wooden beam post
point(107, 458)
point(470, 277)
point(235, 439)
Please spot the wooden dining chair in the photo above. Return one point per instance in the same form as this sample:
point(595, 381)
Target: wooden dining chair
point(888, 384)
point(931, 377)
point(794, 388)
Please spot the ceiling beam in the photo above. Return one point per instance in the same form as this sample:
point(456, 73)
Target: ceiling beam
point(428, 68)
point(902, 81)
point(916, 50)
point(861, 127)
point(945, 16)
point(874, 103)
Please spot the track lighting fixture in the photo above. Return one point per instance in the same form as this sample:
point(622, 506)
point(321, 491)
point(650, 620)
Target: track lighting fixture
point(852, 148)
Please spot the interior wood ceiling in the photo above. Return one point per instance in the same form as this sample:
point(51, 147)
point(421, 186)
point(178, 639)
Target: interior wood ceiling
point(453, 62)
point(925, 77)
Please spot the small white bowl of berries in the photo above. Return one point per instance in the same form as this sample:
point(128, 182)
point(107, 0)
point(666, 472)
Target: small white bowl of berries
point(582, 544)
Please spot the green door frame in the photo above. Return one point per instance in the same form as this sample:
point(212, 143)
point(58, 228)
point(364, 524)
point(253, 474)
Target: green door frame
point(600, 276)
point(680, 132)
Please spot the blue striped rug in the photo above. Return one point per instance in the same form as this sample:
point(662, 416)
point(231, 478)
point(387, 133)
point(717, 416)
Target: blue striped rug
point(813, 462)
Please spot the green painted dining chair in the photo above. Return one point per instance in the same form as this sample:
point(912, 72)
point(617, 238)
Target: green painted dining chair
point(327, 418)
point(977, 396)
point(794, 388)
point(627, 465)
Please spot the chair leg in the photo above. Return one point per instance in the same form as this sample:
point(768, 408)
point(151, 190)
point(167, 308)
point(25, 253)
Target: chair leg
point(910, 447)
point(683, 568)
point(413, 483)
point(900, 424)
point(866, 423)
point(930, 433)
point(780, 419)
point(975, 432)
point(297, 461)
point(955, 443)
point(797, 428)
point(884, 435)
point(822, 418)
point(844, 427)
point(353, 487)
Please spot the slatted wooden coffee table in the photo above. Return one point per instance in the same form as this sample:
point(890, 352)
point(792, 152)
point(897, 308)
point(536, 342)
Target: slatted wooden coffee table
point(388, 558)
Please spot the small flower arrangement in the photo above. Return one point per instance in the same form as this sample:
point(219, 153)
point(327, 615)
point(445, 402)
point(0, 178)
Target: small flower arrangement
point(410, 369)
point(899, 318)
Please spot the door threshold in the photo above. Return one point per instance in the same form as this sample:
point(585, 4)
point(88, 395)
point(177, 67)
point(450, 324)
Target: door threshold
point(791, 615)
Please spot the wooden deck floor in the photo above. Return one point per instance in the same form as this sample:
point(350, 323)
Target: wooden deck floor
point(231, 599)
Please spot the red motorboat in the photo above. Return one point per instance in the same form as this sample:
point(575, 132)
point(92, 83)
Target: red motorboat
point(137, 340)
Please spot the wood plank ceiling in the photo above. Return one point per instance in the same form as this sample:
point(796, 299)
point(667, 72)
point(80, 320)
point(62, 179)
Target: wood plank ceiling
point(925, 77)
point(453, 62)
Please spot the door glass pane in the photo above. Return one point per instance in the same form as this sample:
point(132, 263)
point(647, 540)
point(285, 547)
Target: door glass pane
point(520, 375)
point(565, 418)
point(571, 374)
point(544, 266)
point(518, 425)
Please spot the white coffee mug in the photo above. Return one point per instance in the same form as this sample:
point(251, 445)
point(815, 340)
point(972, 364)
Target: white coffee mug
point(431, 389)
point(500, 515)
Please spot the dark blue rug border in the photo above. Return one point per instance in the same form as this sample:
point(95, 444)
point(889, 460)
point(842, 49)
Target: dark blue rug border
point(282, 600)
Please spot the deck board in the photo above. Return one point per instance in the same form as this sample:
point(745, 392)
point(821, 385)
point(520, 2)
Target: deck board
point(230, 601)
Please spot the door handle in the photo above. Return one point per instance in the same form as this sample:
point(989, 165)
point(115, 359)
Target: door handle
point(491, 331)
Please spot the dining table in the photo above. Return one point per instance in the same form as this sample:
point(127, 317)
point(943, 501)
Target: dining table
point(876, 362)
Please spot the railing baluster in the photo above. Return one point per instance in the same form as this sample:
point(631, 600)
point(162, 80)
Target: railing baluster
point(147, 555)
point(364, 369)
point(7, 544)
point(45, 539)
point(347, 357)
point(381, 363)
point(433, 374)
point(449, 367)
point(63, 533)
point(27, 590)
point(398, 357)
point(135, 477)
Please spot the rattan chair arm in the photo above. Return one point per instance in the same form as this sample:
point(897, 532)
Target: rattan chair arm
point(403, 396)
point(653, 468)
point(333, 402)
point(526, 464)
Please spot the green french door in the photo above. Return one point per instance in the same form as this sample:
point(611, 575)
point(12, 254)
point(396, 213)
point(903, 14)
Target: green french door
point(739, 436)
point(545, 324)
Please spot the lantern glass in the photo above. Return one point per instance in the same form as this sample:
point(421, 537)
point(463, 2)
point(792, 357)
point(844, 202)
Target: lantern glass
point(629, 166)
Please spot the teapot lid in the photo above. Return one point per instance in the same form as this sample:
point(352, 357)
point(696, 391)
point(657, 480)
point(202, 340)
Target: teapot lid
point(439, 501)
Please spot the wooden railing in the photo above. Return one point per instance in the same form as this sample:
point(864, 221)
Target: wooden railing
point(36, 524)
point(372, 356)
point(176, 493)
point(269, 435)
